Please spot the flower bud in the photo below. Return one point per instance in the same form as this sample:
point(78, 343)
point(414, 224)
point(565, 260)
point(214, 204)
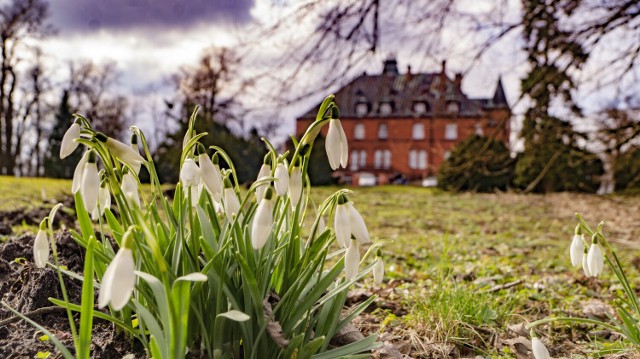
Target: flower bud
point(41, 247)
point(124, 153)
point(351, 260)
point(211, 175)
point(336, 145)
point(90, 184)
point(342, 225)
point(130, 188)
point(282, 179)
point(295, 185)
point(539, 350)
point(577, 250)
point(78, 172)
point(119, 279)
point(263, 220)
point(358, 227)
point(265, 171)
point(231, 203)
point(69, 144)
point(189, 173)
point(595, 259)
point(378, 268)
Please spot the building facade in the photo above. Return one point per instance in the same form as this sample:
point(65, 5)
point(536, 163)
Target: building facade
point(401, 127)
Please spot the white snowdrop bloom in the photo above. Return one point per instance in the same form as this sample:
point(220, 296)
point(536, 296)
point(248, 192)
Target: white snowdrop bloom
point(69, 144)
point(577, 250)
point(124, 153)
point(342, 225)
point(90, 184)
point(104, 202)
point(378, 269)
point(129, 187)
point(282, 179)
point(539, 350)
point(263, 220)
point(351, 260)
point(78, 172)
point(336, 145)
point(41, 248)
point(211, 175)
point(231, 203)
point(265, 171)
point(585, 266)
point(295, 185)
point(118, 281)
point(595, 260)
point(358, 227)
point(196, 191)
point(190, 173)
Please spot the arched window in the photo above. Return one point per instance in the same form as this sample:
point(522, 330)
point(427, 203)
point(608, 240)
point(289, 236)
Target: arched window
point(358, 131)
point(382, 131)
point(420, 107)
point(422, 159)
point(363, 159)
point(362, 108)
point(386, 161)
point(386, 108)
point(377, 159)
point(418, 131)
point(453, 107)
point(354, 160)
point(413, 159)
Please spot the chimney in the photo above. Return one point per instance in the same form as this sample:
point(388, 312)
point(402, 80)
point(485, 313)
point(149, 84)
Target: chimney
point(457, 83)
point(443, 79)
point(390, 67)
point(409, 74)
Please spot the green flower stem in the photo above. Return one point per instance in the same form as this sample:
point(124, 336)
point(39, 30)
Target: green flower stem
point(573, 320)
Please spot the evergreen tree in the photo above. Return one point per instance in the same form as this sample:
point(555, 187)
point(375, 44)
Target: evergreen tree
point(53, 165)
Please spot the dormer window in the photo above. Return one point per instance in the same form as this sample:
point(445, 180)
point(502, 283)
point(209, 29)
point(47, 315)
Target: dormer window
point(386, 108)
point(420, 107)
point(382, 131)
point(362, 108)
point(358, 131)
point(453, 107)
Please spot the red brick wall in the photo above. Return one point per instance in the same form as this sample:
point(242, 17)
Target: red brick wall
point(400, 139)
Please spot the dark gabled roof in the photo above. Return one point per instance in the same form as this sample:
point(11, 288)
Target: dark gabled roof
point(404, 90)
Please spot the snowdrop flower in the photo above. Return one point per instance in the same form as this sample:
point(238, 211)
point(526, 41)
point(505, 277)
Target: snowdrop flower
point(265, 171)
point(129, 187)
point(104, 201)
point(41, 246)
point(585, 266)
point(134, 146)
point(341, 223)
point(90, 183)
point(358, 227)
point(595, 258)
point(189, 173)
point(210, 173)
point(295, 184)
point(124, 153)
point(538, 349)
point(336, 145)
point(78, 172)
point(577, 250)
point(68, 141)
point(378, 268)
point(263, 220)
point(230, 201)
point(119, 279)
point(351, 260)
point(282, 177)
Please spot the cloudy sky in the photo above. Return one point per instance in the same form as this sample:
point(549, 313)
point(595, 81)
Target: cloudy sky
point(151, 39)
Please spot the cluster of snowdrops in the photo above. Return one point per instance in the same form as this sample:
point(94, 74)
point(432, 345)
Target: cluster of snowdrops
point(231, 273)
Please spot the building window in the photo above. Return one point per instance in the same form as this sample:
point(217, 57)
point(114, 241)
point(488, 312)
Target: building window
point(453, 107)
point(386, 108)
point(363, 159)
point(382, 131)
point(418, 131)
point(362, 108)
point(382, 159)
point(377, 159)
point(354, 160)
point(420, 107)
point(358, 132)
point(447, 155)
point(386, 161)
point(418, 159)
point(451, 132)
point(479, 131)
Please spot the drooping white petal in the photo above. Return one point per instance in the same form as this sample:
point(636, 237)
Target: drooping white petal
point(104, 202)
point(585, 266)
point(196, 191)
point(124, 153)
point(577, 250)
point(78, 172)
point(344, 147)
point(342, 225)
point(231, 203)
point(333, 145)
point(90, 186)
point(282, 177)
point(68, 144)
point(358, 227)
point(211, 176)
point(595, 260)
point(41, 249)
point(190, 173)
point(351, 261)
point(295, 186)
point(378, 271)
point(136, 165)
point(130, 188)
point(262, 223)
point(539, 350)
point(265, 171)
point(118, 281)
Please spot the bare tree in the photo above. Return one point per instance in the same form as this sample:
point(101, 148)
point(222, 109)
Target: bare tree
point(19, 21)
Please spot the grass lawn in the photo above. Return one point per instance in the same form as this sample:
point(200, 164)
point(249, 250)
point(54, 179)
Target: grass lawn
point(465, 270)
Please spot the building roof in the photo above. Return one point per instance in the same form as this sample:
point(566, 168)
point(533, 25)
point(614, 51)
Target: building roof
point(403, 91)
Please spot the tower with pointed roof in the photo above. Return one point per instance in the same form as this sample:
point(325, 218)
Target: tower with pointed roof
point(402, 126)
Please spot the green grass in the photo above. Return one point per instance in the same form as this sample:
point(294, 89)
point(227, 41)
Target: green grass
point(447, 254)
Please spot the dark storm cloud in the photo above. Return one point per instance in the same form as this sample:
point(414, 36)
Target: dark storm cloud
point(88, 15)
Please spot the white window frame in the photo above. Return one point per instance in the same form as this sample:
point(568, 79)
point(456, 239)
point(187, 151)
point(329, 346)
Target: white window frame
point(362, 108)
point(417, 131)
point(422, 159)
point(363, 159)
point(386, 159)
point(359, 131)
point(453, 107)
point(386, 108)
point(383, 131)
point(451, 131)
point(354, 160)
point(413, 159)
point(378, 159)
point(420, 107)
